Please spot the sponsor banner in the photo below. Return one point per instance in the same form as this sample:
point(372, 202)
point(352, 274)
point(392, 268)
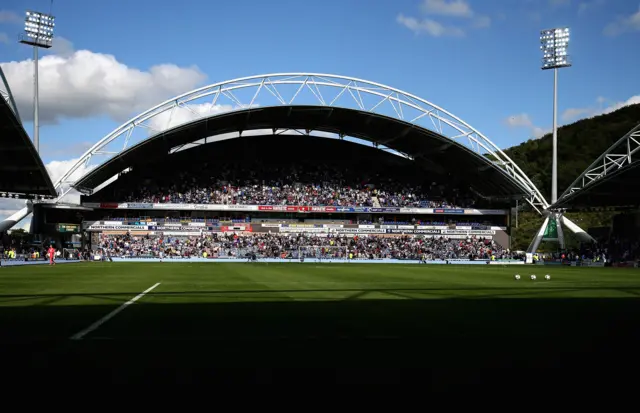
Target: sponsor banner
point(388, 226)
point(465, 227)
point(467, 232)
point(196, 224)
point(416, 210)
point(172, 224)
point(345, 209)
point(271, 225)
point(497, 228)
point(387, 209)
point(175, 228)
point(448, 211)
point(298, 225)
point(358, 230)
point(109, 205)
point(303, 229)
point(139, 205)
point(406, 226)
point(235, 228)
point(366, 226)
point(332, 226)
point(110, 222)
point(431, 227)
point(97, 227)
point(415, 231)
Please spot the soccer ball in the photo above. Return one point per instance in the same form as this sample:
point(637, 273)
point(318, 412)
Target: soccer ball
point(547, 277)
point(517, 277)
point(533, 277)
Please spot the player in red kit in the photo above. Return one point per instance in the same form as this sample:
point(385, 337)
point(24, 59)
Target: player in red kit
point(52, 254)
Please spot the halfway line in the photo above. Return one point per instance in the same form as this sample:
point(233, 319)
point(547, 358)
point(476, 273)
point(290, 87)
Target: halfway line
point(81, 334)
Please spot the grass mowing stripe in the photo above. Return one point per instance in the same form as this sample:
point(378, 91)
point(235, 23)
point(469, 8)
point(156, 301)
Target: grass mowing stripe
point(92, 327)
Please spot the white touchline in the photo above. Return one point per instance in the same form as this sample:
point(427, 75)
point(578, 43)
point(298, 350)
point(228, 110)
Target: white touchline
point(81, 334)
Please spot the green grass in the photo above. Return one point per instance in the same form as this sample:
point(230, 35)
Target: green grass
point(320, 314)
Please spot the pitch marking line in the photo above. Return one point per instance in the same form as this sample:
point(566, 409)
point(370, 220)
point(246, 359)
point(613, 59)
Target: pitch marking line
point(94, 326)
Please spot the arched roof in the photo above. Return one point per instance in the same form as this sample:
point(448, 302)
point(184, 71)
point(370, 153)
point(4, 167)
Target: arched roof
point(302, 89)
point(21, 169)
point(424, 146)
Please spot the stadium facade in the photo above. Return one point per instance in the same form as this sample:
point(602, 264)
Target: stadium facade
point(230, 118)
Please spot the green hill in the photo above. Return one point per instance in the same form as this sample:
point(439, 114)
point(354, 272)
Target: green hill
point(579, 144)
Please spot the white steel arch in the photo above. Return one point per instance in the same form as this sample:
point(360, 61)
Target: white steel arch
point(295, 89)
point(620, 155)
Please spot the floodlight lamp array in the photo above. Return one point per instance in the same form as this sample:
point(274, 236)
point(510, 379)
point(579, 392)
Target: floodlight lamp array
point(554, 46)
point(39, 27)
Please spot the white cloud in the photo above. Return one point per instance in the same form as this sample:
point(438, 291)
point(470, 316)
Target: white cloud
point(4, 38)
point(573, 114)
point(7, 16)
point(452, 9)
point(623, 24)
point(79, 84)
point(428, 26)
point(523, 120)
point(456, 8)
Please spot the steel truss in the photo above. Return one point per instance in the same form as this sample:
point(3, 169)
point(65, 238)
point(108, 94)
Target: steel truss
point(5, 92)
point(620, 155)
point(295, 89)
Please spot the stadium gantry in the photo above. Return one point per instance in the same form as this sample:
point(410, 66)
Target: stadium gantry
point(612, 180)
point(252, 94)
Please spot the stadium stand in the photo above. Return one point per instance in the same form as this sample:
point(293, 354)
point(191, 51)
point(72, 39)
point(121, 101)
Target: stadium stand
point(22, 172)
point(316, 172)
point(428, 150)
point(295, 246)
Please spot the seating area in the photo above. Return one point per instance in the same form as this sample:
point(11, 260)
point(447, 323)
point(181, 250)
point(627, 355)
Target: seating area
point(310, 184)
point(305, 245)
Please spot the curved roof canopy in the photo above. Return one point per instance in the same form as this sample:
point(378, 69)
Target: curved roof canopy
point(613, 180)
point(21, 169)
point(425, 146)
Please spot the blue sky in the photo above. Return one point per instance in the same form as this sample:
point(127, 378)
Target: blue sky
point(477, 59)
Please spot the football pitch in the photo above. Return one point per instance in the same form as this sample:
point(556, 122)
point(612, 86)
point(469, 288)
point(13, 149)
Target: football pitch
point(158, 315)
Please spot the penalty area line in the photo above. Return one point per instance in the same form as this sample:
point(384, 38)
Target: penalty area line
point(80, 335)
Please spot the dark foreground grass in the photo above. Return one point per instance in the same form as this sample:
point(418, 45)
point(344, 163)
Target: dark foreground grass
point(318, 315)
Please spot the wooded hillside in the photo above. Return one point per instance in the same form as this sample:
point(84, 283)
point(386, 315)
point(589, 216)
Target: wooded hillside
point(579, 144)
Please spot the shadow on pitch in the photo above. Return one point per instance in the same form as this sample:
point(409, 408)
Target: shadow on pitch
point(400, 332)
point(288, 294)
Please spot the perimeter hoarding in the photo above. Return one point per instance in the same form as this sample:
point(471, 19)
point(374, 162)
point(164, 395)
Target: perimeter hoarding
point(302, 209)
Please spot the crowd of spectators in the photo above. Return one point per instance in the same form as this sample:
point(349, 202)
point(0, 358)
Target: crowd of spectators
point(310, 184)
point(231, 245)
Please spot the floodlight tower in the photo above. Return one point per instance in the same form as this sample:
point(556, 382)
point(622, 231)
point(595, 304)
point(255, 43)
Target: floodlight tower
point(38, 32)
point(554, 46)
